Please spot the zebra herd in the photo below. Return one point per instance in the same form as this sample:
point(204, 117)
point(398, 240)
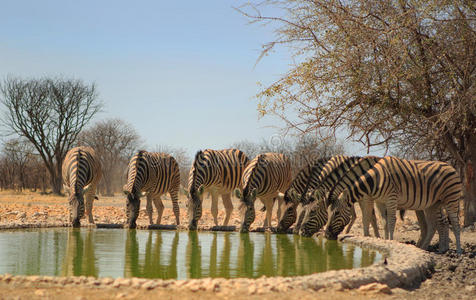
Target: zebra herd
point(326, 190)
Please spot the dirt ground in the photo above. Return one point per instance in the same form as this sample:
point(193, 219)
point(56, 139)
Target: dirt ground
point(454, 276)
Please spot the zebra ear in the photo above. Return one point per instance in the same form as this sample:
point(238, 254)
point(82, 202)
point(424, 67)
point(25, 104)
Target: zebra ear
point(238, 193)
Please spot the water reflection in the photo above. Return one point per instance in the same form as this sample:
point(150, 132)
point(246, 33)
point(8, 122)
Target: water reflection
point(79, 258)
point(157, 262)
point(173, 254)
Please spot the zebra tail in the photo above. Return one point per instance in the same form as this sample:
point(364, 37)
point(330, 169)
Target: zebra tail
point(402, 214)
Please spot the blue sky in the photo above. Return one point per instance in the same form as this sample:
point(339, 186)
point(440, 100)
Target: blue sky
point(182, 73)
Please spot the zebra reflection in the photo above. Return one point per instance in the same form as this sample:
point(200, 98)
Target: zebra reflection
point(80, 257)
point(157, 262)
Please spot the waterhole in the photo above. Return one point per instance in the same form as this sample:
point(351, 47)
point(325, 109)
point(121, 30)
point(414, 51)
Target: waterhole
point(172, 254)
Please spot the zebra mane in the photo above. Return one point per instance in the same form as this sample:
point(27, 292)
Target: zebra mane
point(330, 196)
point(311, 171)
point(197, 155)
point(259, 159)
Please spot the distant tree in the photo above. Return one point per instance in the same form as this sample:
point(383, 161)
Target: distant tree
point(114, 142)
point(183, 159)
point(397, 74)
point(50, 113)
point(18, 154)
point(301, 150)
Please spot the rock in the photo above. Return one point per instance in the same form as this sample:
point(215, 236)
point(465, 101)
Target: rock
point(149, 285)
point(107, 281)
point(252, 289)
point(40, 293)
point(398, 291)
point(375, 288)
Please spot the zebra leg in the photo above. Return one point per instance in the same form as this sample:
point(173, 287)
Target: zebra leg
point(148, 208)
point(280, 204)
point(175, 206)
point(268, 205)
point(443, 231)
point(391, 216)
point(366, 212)
point(89, 207)
point(226, 198)
point(374, 224)
point(453, 211)
point(431, 214)
point(160, 208)
point(383, 213)
point(423, 228)
point(297, 227)
point(214, 207)
point(352, 219)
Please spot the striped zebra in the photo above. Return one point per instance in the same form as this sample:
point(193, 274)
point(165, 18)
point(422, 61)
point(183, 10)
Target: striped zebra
point(151, 174)
point(315, 213)
point(81, 172)
point(308, 179)
point(218, 172)
point(396, 183)
point(265, 177)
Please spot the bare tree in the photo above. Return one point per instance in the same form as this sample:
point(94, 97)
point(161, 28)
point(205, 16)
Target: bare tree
point(183, 159)
point(114, 142)
point(18, 153)
point(301, 150)
point(394, 73)
point(50, 113)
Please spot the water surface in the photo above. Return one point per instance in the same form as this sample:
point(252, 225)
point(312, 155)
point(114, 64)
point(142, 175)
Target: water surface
point(172, 254)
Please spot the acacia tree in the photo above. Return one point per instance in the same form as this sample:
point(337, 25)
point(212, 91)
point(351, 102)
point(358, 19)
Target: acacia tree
point(50, 113)
point(114, 142)
point(394, 73)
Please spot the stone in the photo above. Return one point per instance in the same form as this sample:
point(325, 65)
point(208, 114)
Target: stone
point(107, 281)
point(375, 288)
point(149, 285)
point(40, 293)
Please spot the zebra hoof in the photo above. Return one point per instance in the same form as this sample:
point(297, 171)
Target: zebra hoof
point(132, 226)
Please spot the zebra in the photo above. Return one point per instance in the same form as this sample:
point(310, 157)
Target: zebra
point(152, 174)
point(308, 179)
point(81, 172)
point(219, 172)
point(396, 183)
point(265, 177)
point(312, 216)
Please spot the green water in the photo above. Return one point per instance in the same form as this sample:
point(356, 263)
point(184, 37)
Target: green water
point(172, 254)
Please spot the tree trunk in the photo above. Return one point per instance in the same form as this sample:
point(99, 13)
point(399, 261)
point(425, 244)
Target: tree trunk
point(469, 194)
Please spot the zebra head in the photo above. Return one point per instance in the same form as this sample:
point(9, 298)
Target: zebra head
point(291, 198)
point(194, 206)
point(340, 214)
point(247, 199)
point(315, 215)
point(76, 203)
point(132, 207)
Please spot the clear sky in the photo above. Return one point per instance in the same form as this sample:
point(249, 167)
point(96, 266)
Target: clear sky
point(182, 73)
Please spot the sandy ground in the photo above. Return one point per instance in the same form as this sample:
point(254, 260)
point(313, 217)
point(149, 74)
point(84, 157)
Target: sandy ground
point(454, 276)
